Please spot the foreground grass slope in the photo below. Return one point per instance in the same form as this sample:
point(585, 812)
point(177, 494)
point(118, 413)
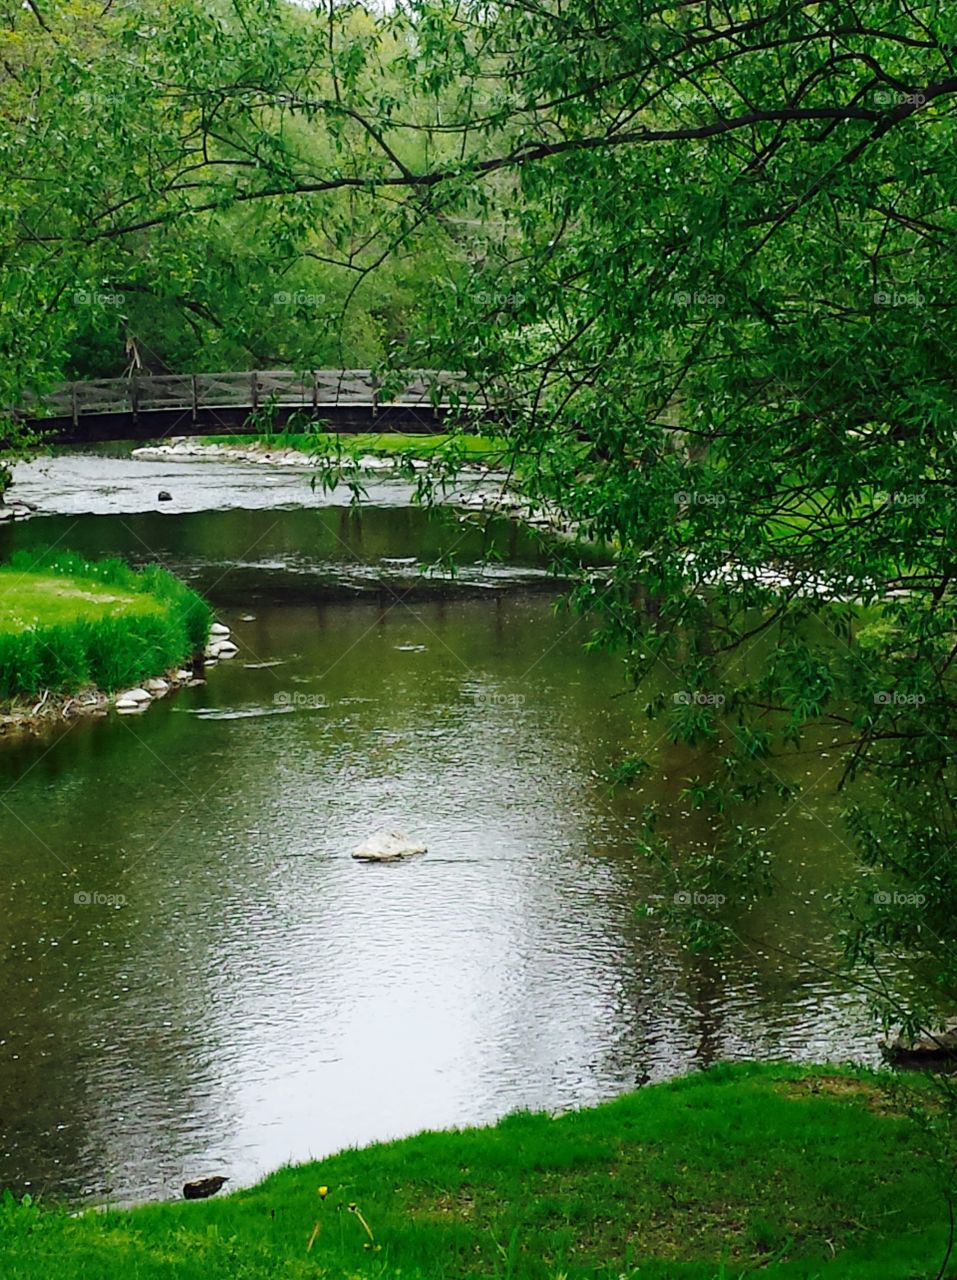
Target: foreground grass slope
point(786, 1172)
point(67, 623)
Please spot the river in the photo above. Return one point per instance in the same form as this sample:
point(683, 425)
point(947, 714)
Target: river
point(198, 978)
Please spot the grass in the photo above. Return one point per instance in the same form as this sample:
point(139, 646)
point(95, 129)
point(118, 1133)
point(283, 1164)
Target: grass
point(383, 444)
point(67, 623)
point(785, 1172)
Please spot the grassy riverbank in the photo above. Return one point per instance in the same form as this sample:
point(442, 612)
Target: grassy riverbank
point(67, 623)
point(379, 444)
point(787, 1172)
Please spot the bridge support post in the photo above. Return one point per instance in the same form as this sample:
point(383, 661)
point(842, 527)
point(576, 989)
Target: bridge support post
point(134, 396)
point(195, 391)
point(254, 388)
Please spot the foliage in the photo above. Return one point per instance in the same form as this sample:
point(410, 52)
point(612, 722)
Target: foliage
point(66, 623)
point(714, 289)
point(161, 251)
point(786, 1172)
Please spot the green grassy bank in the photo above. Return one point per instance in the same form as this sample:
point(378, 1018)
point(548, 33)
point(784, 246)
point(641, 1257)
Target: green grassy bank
point(67, 623)
point(378, 444)
point(784, 1172)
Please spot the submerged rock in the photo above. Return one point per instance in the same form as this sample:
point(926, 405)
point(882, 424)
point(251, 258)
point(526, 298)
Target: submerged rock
point(219, 630)
point(387, 846)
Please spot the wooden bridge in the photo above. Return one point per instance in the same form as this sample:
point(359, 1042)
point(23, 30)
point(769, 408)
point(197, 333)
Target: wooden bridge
point(145, 406)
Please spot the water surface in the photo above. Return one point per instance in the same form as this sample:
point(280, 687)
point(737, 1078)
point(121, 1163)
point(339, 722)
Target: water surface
point(198, 978)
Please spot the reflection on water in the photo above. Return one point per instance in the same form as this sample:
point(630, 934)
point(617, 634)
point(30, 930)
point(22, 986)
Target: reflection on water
point(258, 996)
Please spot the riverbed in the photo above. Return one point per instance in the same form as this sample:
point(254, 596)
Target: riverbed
point(199, 979)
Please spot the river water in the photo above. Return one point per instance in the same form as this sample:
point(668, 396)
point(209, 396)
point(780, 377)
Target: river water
point(197, 978)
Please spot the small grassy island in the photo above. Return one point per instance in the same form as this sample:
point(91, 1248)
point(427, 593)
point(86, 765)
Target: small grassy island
point(68, 625)
point(783, 1171)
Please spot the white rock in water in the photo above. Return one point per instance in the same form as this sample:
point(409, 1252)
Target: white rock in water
point(135, 696)
point(157, 686)
point(222, 649)
point(127, 706)
point(387, 846)
point(219, 629)
point(183, 674)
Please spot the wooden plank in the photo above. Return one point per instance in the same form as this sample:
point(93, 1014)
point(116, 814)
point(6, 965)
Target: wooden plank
point(217, 390)
point(103, 395)
point(286, 387)
point(166, 391)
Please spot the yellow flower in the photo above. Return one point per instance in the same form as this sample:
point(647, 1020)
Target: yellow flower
point(323, 1192)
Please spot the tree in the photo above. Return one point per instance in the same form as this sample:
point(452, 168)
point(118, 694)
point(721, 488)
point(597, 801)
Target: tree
point(721, 300)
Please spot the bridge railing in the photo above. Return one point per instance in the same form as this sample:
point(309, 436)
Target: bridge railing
point(142, 393)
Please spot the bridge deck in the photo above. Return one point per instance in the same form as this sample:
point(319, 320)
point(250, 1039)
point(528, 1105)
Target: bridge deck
point(142, 407)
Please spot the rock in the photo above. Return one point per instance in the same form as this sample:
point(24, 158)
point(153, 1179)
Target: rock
point(387, 846)
point(219, 629)
point(127, 707)
point(248, 617)
point(939, 1047)
point(202, 1188)
point(134, 695)
point(157, 687)
point(183, 674)
point(221, 649)
point(163, 496)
